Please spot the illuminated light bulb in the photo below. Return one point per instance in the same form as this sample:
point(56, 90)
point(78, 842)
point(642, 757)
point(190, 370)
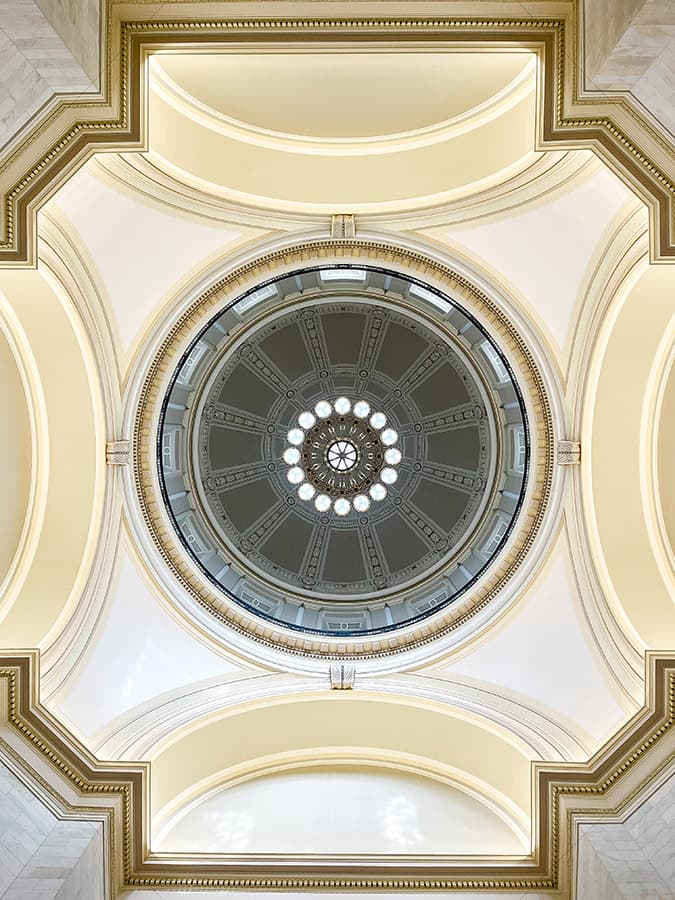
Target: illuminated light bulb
point(296, 436)
point(323, 409)
point(342, 406)
point(295, 475)
point(389, 476)
point(361, 409)
point(322, 502)
point(389, 437)
point(392, 456)
point(342, 506)
point(291, 456)
point(378, 420)
point(361, 503)
point(306, 420)
point(378, 491)
point(306, 491)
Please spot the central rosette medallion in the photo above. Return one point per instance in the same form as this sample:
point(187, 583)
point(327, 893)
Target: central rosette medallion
point(342, 455)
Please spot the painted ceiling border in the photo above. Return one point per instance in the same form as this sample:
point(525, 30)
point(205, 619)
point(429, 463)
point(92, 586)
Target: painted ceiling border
point(565, 794)
point(64, 136)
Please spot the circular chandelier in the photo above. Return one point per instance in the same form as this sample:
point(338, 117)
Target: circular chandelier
point(343, 456)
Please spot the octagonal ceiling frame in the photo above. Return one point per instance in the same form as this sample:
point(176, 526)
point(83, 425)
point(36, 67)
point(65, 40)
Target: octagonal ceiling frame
point(64, 135)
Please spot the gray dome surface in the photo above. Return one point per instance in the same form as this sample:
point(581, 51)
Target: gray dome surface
point(388, 543)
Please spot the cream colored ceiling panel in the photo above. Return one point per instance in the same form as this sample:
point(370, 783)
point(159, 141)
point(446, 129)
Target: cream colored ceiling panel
point(15, 458)
point(666, 455)
point(137, 654)
point(138, 252)
point(541, 650)
point(340, 726)
point(343, 95)
point(68, 477)
point(547, 249)
point(620, 484)
point(342, 809)
point(399, 173)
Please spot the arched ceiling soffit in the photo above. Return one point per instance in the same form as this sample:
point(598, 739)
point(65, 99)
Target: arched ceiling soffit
point(544, 176)
point(629, 538)
point(70, 131)
point(51, 574)
point(18, 431)
point(361, 153)
point(237, 744)
point(148, 725)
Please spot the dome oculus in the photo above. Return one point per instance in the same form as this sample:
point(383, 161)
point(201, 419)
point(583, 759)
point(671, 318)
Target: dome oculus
point(343, 459)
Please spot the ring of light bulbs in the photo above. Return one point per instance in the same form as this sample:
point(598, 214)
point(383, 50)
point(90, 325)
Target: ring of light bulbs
point(377, 491)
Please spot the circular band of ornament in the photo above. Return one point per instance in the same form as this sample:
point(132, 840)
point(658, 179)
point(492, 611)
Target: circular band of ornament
point(429, 287)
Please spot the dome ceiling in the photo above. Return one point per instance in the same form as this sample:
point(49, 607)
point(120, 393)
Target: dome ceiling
point(197, 628)
point(343, 450)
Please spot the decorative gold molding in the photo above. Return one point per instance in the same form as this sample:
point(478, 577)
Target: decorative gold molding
point(225, 291)
point(568, 453)
point(64, 137)
point(343, 226)
point(564, 795)
point(117, 453)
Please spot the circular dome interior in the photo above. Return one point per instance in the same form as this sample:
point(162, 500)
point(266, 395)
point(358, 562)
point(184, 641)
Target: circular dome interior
point(343, 450)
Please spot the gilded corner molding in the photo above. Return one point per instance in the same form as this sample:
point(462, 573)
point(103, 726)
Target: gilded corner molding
point(564, 796)
point(57, 142)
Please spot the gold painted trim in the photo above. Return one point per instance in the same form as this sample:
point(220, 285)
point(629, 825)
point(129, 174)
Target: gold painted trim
point(626, 765)
point(273, 635)
point(59, 141)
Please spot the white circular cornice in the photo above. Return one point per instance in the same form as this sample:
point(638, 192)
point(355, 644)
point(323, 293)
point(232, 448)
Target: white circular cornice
point(404, 650)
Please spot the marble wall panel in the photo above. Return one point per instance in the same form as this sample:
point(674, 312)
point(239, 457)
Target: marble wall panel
point(25, 823)
point(34, 65)
point(78, 24)
point(634, 860)
point(640, 58)
point(41, 856)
